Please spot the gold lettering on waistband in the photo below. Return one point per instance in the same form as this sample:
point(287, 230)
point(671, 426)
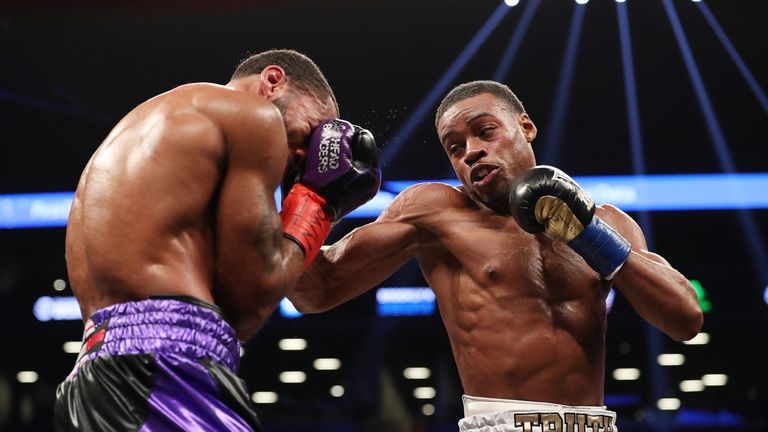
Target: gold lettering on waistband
point(596, 422)
point(527, 421)
point(581, 423)
point(551, 422)
point(568, 422)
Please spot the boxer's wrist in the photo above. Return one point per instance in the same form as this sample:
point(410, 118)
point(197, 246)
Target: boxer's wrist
point(305, 220)
point(602, 247)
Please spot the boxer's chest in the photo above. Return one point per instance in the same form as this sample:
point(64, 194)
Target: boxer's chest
point(495, 253)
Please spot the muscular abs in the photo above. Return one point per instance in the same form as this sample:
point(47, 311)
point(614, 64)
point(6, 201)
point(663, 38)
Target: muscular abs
point(525, 315)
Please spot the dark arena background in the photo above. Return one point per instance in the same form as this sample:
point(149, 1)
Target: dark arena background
point(658, 106)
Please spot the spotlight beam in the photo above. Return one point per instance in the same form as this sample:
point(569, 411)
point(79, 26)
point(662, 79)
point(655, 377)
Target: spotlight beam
point(32, 102)
point(514, 43)
point(737, 60)
point(438, 90)
point(750, 229)
point(653, 337)
point(713, 125)
point(563, 92)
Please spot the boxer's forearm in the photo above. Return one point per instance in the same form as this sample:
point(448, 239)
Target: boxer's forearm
point(660, 294)
point(249, 293)
point(355, 264)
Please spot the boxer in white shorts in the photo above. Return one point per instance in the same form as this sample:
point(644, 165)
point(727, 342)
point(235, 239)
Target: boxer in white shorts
point(520, 260)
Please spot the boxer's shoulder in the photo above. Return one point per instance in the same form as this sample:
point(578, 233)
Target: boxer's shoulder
point(241, 117)
point(425, 201)
point(434, 193)
point(220, 102)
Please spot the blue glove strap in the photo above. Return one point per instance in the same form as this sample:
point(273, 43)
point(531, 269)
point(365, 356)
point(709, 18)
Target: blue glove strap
point(604, 249)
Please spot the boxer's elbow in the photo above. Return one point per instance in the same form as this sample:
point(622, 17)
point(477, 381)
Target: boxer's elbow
point(301, 306)
point(306, 305)
point(313, 291)
point(688, 324)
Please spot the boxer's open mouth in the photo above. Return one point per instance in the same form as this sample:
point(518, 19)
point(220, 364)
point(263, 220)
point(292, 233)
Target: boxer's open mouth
point(482, 174)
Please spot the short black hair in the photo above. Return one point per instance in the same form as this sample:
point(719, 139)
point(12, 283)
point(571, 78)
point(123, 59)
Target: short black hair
point(474, 88)
point(302, 72)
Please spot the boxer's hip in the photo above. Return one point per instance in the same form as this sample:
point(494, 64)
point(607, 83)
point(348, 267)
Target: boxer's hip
point(178, 326)
point(159, 364)
point(483, 414)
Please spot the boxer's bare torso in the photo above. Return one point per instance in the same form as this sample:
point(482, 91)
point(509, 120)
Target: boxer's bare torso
point(525, 315)
point(176, 197)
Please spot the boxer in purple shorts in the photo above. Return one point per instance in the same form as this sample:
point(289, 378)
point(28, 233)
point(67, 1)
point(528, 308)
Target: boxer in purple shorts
point(180, 357)
point(175, 250)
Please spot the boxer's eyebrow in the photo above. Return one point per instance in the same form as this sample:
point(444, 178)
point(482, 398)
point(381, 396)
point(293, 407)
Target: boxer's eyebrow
point(445, 136)
point(477, 116)
point(469, 120)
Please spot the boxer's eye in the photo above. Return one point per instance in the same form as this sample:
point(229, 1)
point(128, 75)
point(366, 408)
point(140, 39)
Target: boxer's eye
point(486, 131)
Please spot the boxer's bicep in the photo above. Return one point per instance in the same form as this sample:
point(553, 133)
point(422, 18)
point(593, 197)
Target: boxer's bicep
point(657, 291)
point(630, 230)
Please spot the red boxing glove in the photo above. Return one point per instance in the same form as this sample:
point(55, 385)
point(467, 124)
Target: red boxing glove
point(305, 221)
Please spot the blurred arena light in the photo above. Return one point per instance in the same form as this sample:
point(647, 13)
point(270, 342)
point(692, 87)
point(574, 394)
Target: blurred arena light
point(327, 364)
point(511, 3)
point(292, 344)
point(714, 380)
point(72, 347)
point(59, 285)
point(417, 373)
point(668, 404)
point(701, 293)
point(609, 299)
point(337, 391)
point(288, 310)
point(626, 374)
point(405, 301)
point(264, 397)
point(671, 359)
point(56, 309)
point(729, 191)
point(292, 377)
point(424, 392)
point(27, 377)
point(690, 386)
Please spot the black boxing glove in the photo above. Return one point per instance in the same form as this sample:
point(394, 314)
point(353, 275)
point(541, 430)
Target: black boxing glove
point(545, 199)
point(341, 173)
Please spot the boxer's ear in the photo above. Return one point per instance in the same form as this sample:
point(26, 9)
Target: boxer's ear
point(526, 124)
point(272, 82)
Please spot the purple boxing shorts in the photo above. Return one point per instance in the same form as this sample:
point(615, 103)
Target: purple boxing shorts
point(163, 364)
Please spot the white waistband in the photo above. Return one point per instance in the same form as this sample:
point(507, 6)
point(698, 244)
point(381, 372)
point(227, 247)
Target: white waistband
point(491, 414)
